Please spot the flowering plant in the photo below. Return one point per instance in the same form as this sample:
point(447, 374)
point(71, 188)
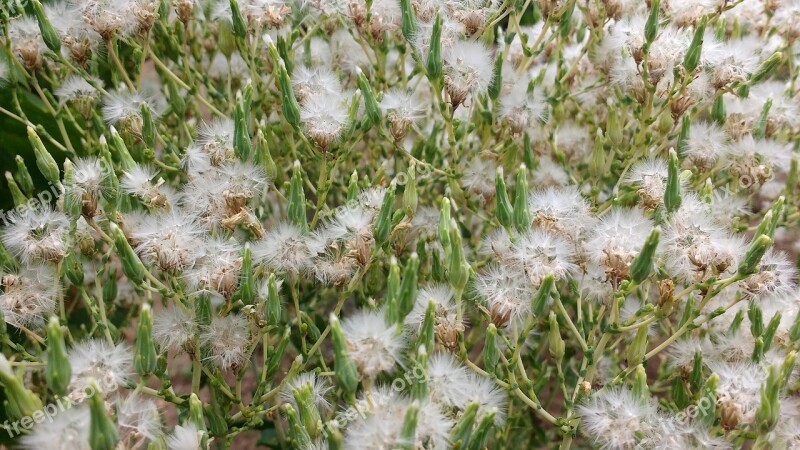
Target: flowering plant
point(412, 224)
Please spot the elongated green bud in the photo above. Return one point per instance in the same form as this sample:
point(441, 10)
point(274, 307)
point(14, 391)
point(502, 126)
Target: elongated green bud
point(383, 223)
point(297, 200)
point(769, 410)
point(760, 129)
point(309, 414)
point(766, 68)
point(276, 354)
point(542, 296)
point(749, 264)
point(718, 113)
point(273, 301)
point(393, 291)
point(638, 347)
point(521, 216)
point(410, 195)
point(44, 161)
point(708, 400)
point(672, 194)
point(461, 432)
point(289, 105)
point(16, 194)
point(352, 187)
point(148, 126)
point(614, 128)
point(444, 225)
point(787, 368)
point(427, 336)
point(434, 63)
point(20, 401)
point(23, 176)
point(769, 332)
point(642, 265)
point(371, 106)
point(132, 266)
point(419, 372)
point(458, 268)
point(482, 432)
point(265, 157)
point(491, 351)
point(756, 318)
point(118, 146)
point(496, 85)
point(247, 283)
point(102, 430)
point(639, 387)
point(345, 368)
point(73, 267)
point(557, 346)
point(49, 35)
point(651, 26)
point(146, 356)
point(408, 288)
point(409, 24)
point(297, 433)
point(692, 57)
point(196, 417)
point(241, 133)
point(239, 25)
point(59, 370)
point(597, 160)
point(503, 209)
point(407, 439)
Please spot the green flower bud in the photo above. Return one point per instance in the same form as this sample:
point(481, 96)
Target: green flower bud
point(297, 200)
point(491, 352)
point(527, 151)
point(148, 126)
point(766, 68)
point(58, 371)
point(239, 25)
point(393, 291)
point(708, 400)
point(20, 401)
point(345, 368)
point(407, 295)
point(311, 420)
point(769, 410)
point(247, 284)
point(371, 106)
point(521, 214)
point(434, 64)
point(16, 194)
point(752, 257)
point(408, 431)
point(444, 225)
point(651, 26)
point(102, 429)
point(794, 332)
point(73, 267)
point(49, 35)
point(597, 161)
point(383, 223)
point(132, 266)
point(419, 385)
point(503, 209)
point(146, 356)
point(110, 287)
point(73, 200)
point(696, 377)
point(289, 105)
point(264, 156)
point(410, 196)
point(272, 363)
point(642, 265)
point(639, 387)
point(118, 145)
point(787, 368)
point(692, 57)
point(297, 433)
point(542, 296)
point(23, 176)
point(769, 332)
point(409, 24)
point(241, 132)
point(736, 323)
point(352, 187)
point(758, 350)
point(482, 432)
point(273, 301)
point(554, 338)
point(718, 113)
point(638, 347)
point(427, 336)
point(613, 128)
point(176, 98)
point(672, 194)
point(760, 129)
point(196, 418)
point(44, 161)
point(458, 268)
point(496, 85)
point(463, 429)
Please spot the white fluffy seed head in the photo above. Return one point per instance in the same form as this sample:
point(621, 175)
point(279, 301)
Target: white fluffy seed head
point(226, 339)
point(37, 234)
point(374, 345)
point(108, 365)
